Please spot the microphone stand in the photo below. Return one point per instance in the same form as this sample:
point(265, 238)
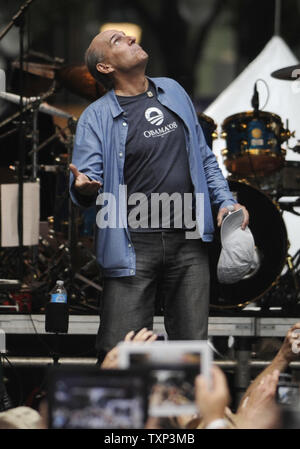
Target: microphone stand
point(21, 25)
point(255, 105)
point(73, 216)
point(16, 18)
point(34, 174)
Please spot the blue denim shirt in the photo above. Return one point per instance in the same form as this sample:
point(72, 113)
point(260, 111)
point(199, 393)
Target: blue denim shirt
point(99, 152)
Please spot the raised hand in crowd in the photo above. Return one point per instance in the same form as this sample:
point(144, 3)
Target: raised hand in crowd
point(212, 398)
point(144, 335)
point(287, 353)
point(259, 410)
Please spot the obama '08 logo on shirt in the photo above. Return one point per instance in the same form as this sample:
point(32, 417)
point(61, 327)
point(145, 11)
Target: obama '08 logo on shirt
point(154, 116)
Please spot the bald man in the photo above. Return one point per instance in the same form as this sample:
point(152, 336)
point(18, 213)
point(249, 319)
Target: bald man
point(140, 144)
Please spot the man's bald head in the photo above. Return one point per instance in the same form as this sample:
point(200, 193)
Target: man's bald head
point(113, 55)
point(95, 54)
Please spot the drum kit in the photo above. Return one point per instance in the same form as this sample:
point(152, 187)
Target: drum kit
point(259, 176)
point(60, 252)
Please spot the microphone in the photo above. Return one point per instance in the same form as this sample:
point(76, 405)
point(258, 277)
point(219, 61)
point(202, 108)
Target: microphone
point(43, 106)
point(255, 99)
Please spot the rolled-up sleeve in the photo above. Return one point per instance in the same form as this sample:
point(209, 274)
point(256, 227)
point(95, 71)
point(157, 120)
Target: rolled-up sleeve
point(218, 188)
point(88, 158)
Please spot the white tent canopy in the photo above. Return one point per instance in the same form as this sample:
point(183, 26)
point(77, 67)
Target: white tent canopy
point(281, 98)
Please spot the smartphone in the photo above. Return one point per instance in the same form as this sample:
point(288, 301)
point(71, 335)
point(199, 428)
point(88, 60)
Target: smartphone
point(89, 398)
point(287, 393)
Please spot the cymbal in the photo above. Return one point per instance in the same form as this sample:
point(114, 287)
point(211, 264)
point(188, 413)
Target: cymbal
point(43, 70)
point(290, 73)
point(78, 80)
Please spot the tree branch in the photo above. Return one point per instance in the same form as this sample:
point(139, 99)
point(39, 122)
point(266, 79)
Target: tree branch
point(200, 39)
point(145, 14)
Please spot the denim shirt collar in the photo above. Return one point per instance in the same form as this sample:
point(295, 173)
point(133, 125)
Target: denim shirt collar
point(114, 105)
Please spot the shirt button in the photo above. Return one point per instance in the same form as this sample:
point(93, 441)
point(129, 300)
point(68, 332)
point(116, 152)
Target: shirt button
point(124, 124)
point(131, 271)
point(120, 154)
point(129, 245)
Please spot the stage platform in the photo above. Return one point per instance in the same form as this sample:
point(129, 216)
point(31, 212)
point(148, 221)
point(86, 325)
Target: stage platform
point(235, 325)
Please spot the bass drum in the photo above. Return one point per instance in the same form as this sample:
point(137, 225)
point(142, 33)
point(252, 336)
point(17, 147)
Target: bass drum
point(270, 236)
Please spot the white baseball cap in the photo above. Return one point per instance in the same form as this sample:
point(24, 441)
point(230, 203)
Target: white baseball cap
point(239, 257)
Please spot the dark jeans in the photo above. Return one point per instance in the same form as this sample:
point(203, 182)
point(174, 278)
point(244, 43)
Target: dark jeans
point(166, 263)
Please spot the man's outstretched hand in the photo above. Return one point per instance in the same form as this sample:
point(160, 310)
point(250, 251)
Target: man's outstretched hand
point(83, 184)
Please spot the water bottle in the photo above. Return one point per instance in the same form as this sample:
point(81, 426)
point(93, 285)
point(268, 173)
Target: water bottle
point(59, 294)
point(57, 310)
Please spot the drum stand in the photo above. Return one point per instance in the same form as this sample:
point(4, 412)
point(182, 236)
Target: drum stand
point(286, 291)
point(294, 274)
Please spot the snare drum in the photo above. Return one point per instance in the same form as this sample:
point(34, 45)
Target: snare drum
point(254, 143)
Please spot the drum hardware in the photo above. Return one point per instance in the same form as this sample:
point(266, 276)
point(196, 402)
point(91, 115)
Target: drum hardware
point(290, 205)
point(8, 133)
point(296, 148)
point(290, 182)
point(292, 270)
point(50, 168)
point(62, 159)
point(287, 287)
point(286, 135)
point(35, 104)
point(41, 168)
point(290, 73)
point(284, 183)
point(59, 135)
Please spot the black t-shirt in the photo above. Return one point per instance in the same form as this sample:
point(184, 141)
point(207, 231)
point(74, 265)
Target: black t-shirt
point(156, 161)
